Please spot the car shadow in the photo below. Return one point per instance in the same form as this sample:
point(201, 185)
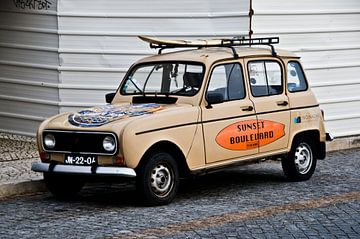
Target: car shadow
point(123, 194)
point(233, 178)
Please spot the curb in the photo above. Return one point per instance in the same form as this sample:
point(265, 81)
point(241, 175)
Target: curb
point(343, 143)
point(21, 188)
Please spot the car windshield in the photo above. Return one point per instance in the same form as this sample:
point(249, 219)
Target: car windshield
point(168, 78)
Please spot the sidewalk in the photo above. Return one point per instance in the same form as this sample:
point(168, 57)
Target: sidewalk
point(17, 153)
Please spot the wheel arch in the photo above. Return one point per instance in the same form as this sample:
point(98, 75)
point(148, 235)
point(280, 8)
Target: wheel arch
point(170, 148)
point(313, 137)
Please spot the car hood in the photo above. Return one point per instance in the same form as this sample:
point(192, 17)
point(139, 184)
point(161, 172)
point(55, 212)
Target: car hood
point(107, 116)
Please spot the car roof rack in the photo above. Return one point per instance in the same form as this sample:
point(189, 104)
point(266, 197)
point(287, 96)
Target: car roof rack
point(226, 42)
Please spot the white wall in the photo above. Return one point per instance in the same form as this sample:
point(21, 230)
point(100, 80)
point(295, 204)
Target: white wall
point(63, 55)
point(69, 55)
point(98, 39)
point(325, 33)
point(28, 64)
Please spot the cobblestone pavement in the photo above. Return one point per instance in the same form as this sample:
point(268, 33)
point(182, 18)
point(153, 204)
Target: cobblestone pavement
point(15, 147)
point(248, 202)
point(17, 153)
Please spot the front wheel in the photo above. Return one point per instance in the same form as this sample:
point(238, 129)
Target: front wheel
point(158, 179)
point(300, 163)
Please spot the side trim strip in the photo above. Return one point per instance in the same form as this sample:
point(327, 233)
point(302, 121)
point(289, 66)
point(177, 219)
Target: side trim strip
point(221, 119)
point(305, 107)
point(168, 127)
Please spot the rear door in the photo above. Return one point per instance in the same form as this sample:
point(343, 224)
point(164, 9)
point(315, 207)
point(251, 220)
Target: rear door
point(266, 81)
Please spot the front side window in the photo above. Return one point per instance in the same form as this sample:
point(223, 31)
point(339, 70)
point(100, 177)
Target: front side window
point(295, 77)
point(168, 78)
point(265, 78)
point(228, 81)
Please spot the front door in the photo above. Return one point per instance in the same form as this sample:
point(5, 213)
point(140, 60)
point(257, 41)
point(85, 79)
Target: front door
point(267, 92)
point(229, 127)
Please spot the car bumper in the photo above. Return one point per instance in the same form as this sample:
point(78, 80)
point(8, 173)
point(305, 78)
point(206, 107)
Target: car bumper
point(84, 170)
point(329, 137)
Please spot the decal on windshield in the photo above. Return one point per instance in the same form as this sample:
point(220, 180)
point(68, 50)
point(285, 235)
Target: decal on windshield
point(101, 115)
point(250, 134)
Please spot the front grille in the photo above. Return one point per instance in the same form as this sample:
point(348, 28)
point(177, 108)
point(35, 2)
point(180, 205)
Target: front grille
point(79, 142)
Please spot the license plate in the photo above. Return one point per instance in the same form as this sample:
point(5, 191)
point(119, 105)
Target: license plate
point(80, 159)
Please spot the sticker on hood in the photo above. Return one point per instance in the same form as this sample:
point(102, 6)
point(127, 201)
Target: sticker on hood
point(101, 115)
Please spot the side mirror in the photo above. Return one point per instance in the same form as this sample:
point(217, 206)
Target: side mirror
point(109, 97)
point(214, 98)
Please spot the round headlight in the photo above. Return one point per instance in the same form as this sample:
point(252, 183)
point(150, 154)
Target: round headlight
point(109, 143)
point(49, 141)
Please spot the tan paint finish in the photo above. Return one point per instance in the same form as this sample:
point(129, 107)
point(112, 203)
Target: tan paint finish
point(193, 128)
point(135, 145)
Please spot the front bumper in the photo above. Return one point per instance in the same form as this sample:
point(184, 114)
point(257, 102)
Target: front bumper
point(84, 170)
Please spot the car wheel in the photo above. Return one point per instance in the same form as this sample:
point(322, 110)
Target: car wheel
point(158, 179)
point(63, 186)
point(300, 163)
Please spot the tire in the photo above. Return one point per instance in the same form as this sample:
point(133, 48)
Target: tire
point(301, 161)
point(158, 179)
point(63, 186)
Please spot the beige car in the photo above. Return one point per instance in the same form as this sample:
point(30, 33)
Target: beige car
point(224, 104)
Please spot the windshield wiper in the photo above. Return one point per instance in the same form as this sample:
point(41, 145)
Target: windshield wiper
point(142, 92)
point(183, 89)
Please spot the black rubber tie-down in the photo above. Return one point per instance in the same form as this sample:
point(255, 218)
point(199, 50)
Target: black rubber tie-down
point(52, 166)
point(93, 168)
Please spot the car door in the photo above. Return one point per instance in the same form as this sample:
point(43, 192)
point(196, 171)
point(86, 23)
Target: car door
point(227, 124)
point(267, 92)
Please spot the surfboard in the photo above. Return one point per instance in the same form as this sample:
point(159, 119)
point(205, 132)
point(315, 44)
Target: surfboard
point(179, 43)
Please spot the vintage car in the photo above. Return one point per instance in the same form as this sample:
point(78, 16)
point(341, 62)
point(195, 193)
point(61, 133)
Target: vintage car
point(223, 104)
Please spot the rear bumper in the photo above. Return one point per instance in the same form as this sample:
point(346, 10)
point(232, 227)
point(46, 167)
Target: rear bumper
point(329, 137)
point(84, 170)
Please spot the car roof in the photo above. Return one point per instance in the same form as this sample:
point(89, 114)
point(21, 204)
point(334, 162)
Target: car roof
point(208, 55)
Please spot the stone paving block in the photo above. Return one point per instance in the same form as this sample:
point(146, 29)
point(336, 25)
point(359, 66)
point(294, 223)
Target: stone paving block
point(243, 194)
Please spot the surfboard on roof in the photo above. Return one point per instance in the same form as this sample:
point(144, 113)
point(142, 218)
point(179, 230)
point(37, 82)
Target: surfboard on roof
point(179, 43)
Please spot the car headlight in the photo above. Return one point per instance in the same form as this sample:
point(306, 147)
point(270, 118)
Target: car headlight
point(49, 141)
point(109, 143)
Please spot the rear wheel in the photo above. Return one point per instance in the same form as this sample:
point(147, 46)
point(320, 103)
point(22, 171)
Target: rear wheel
point(63, 186)
point(300, 163)
point(158, 179)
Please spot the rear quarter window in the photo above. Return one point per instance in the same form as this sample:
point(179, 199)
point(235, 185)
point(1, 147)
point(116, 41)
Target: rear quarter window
point(296, 77)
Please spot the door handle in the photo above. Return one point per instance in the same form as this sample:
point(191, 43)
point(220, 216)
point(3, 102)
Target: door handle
point(282, 103)
point(247, 108)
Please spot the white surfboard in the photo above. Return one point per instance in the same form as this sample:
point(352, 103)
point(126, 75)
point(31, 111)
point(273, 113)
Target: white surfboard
point(179, 43)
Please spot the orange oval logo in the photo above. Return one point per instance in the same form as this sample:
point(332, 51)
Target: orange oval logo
point(250, 134)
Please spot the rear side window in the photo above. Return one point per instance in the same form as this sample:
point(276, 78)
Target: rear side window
point(295, 77)
point(227, 80)
point(265, 78)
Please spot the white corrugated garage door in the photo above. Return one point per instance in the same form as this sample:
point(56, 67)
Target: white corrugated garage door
point(60, 56)
point(28, 64)
point(70, 53)
point(325, 33)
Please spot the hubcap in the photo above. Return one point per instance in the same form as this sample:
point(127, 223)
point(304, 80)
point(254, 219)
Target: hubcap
point(303, 158)
point(161, 180)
